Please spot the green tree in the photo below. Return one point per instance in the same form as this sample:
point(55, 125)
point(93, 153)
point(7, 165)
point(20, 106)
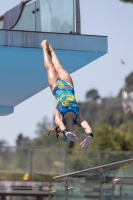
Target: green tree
point(3, 143)
point(22, 141)
point(104, 138)
point(129, 83)
point(43, 127)
point(92, 95)
point(111, 138)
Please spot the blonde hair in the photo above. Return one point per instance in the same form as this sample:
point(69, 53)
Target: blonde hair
point(59, 134)
point(55, 130)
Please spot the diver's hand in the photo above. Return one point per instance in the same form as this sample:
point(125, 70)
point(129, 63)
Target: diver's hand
point(87, 141)
point(72, 136)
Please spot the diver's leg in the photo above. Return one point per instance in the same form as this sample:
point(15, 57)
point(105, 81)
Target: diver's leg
point(53, 76)
point(63, 74)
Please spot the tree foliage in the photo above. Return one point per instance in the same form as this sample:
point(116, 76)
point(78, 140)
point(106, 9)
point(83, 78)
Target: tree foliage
point(92, 95)
point(3, 143)
point(22, 141)
point(112, 138)
point(129, 83)
point(43, 127)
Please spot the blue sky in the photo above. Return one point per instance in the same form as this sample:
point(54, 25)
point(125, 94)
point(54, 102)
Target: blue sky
point(106, 74)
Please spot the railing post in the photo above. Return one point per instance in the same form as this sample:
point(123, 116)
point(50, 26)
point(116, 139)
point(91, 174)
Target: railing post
point(113, 191)
point(51, 192)
point(102, 181)
point(66, 188)
point(30, 164)
point(121, 191)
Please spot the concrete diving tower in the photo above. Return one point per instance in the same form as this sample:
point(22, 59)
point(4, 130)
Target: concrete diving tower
point(22, 73)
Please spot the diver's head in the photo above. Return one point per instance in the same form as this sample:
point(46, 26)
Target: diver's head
point(59, 134)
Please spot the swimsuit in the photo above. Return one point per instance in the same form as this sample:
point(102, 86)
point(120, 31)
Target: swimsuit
point(65, 99)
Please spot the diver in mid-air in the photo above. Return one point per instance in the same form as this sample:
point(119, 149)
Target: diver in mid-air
point(67, 113)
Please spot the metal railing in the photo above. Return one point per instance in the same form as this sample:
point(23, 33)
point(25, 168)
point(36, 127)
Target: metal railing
point(102, 178)
point(36, 15)
point(61, 161)
point(94, 169)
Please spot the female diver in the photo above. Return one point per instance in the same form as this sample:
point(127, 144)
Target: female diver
point(67, 113)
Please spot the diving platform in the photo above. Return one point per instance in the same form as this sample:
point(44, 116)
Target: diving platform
point(22, 72)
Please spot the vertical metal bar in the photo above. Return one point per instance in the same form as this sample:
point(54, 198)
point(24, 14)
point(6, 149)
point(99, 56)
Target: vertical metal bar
point(82, 190)
point(121, 191)
point(66, 188)
point(30, 164)
point(38, 16)
point(101, 184)
point(78, 21)
point(113, 191)
point(74, 16)
point(50, 189)
point(35, 16)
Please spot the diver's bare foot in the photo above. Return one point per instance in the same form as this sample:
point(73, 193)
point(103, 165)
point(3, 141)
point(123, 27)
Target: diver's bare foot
point(44, 45)
point(50, 48)
point(72, 136)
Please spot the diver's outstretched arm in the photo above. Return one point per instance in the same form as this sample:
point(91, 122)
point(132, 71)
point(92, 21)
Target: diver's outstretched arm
point(58, 120)
point(86, 127)
point(88, 135)
point(88, 132)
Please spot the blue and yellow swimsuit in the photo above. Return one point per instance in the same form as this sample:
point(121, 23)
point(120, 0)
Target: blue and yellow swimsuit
point(65, 99)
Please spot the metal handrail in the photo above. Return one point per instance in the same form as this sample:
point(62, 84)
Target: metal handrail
point(94, 169)
point(126, 181)
point(25, 2)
